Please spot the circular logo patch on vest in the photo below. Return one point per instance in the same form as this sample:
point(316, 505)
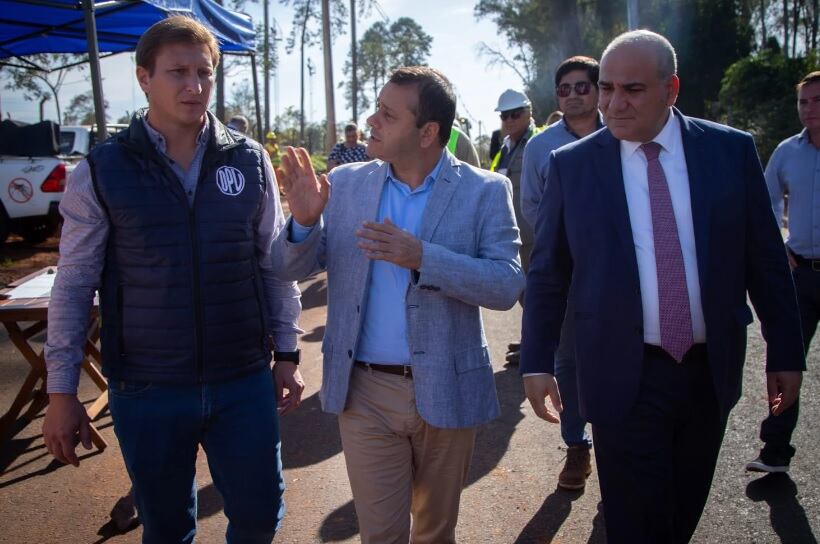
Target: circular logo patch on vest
point(230, 180)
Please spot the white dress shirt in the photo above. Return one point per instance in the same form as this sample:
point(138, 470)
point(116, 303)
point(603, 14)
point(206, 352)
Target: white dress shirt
point(636, 185)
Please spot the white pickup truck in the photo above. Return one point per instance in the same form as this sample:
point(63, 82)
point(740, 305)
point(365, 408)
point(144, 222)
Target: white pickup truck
point(32, 179)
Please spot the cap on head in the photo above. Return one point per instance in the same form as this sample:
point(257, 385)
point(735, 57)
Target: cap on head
point(512, 100)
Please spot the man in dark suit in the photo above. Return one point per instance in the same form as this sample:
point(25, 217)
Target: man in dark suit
point(655, 228)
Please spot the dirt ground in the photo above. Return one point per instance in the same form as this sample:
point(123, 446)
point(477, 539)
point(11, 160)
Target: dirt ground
point(18, 259)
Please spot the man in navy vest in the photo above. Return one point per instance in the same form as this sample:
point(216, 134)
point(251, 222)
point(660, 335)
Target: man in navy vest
point(173, 221)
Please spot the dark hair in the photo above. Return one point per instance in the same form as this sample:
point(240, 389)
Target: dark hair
point(812, 77)
point(174, 29)
point(587, 64)
point(437, 100)
point(351, 127)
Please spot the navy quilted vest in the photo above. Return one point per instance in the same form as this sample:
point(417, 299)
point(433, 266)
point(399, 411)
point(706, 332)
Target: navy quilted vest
point(181, 296)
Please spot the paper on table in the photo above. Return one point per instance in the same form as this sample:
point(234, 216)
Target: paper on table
point(34, 288)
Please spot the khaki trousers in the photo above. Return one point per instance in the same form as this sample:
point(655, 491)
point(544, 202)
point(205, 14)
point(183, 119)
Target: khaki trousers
point(400, 465)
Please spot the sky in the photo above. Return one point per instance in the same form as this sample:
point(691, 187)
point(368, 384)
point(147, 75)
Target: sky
point(456, 35)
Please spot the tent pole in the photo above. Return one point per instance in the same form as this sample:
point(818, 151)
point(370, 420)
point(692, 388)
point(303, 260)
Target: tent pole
point(259, 126)
point(94, 63)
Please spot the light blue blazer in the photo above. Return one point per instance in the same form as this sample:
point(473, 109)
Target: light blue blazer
point(470, 259)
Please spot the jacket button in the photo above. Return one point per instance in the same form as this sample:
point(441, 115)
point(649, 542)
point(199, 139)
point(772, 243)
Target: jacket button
point(350, 353)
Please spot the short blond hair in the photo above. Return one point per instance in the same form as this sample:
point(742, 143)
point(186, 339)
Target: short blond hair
point(174, 29)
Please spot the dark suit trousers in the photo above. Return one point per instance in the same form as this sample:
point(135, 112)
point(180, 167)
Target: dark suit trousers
point(776, 431)
point(655, 467)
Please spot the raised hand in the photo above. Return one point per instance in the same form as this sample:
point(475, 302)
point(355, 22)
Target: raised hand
point(306, 193)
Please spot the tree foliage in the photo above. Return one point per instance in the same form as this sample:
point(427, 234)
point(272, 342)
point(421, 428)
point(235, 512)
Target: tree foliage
point(758, 95)
point(80, 110)
point(709, 35)
point(36, 84)
point(383, 48)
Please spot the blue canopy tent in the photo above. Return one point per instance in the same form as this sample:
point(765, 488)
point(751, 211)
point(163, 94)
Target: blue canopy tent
point(110, 26)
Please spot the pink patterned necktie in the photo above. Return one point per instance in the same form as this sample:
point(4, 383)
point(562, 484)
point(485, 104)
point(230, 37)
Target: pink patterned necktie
point(673, 295)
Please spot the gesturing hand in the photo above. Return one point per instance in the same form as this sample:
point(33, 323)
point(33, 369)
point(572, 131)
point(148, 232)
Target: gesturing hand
point(387, 242)
point(306, 194)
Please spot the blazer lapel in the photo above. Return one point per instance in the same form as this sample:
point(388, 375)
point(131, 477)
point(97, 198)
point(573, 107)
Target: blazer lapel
point(443, 190)
point(697, 157)
point(366, 209)
point(610, 174)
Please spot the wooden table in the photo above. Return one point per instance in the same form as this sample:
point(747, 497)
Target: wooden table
point(25, 318)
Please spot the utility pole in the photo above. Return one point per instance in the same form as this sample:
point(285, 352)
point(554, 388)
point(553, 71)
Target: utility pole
point(266, 66)
point(632, 14)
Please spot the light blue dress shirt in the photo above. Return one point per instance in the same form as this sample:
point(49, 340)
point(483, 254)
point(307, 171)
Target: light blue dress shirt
point(383, 338)
point(794, 169)
point(536, 165)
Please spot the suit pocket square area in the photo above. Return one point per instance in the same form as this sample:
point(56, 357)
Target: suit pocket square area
point(471, 359)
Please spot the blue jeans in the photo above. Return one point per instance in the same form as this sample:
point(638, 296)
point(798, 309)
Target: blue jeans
point(573, 427)
point(160, 427)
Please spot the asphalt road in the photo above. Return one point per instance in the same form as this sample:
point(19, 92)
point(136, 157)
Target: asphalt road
point(511, 496)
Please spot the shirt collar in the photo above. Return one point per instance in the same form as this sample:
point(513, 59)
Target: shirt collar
point(599, 123)
point(428, 181)
point(159, 140)
point(669, 138)
point(804, 136)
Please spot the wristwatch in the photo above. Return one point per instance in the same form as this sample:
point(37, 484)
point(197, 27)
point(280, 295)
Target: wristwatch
point(290, 356)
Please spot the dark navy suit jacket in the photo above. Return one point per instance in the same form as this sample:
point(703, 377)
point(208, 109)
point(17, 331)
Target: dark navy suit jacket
point(584, 253)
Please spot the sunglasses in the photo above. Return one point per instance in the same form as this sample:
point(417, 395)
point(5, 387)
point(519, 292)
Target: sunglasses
point(515, 114)
point(581, 88)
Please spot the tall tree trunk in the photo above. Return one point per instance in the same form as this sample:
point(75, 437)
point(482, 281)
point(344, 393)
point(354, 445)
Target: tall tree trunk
point(354, 80)
point(330, 108)
point(786, 28)
point(814, 16)
point(266, 66)
point(302, 77)
point(795, 20)
point(764, 38)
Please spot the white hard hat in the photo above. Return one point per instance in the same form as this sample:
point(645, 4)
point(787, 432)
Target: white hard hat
point(512, 100)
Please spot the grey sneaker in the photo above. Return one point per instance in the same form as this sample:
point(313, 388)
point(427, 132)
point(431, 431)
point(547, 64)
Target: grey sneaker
point(758, 465)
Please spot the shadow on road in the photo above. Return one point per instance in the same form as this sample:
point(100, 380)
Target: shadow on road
point(315, 294)
point(556, 508)
point(787, 515)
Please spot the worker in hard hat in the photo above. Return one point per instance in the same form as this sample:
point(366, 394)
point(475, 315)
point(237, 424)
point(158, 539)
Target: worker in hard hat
point(517, 127)
point(272, 147)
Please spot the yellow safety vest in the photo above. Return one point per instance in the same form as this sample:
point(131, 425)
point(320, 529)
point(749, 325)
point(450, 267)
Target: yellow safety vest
point(453, 142)
point(497, 158)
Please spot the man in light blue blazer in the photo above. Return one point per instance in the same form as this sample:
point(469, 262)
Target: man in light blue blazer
point(414, 244)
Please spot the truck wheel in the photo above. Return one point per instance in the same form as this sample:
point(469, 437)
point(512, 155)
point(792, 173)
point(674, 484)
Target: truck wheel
point(5, 224)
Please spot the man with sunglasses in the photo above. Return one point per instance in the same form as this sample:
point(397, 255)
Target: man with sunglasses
point(576, 87)
point(517, 127)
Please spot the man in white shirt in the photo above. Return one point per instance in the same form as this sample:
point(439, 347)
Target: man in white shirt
point(653, 231)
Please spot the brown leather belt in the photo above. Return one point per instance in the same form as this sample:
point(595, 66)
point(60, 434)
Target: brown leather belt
point(399, 370)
